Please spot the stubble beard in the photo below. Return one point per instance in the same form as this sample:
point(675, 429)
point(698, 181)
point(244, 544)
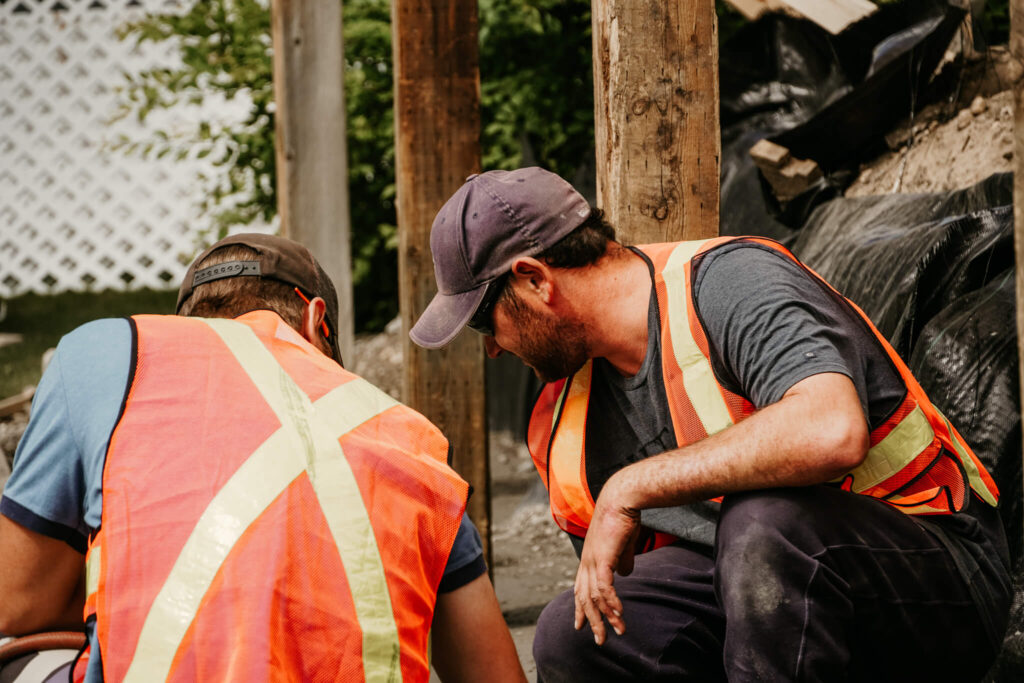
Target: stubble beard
point(554, 348)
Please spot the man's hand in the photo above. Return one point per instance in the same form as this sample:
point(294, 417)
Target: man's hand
point(815, 433)
point(607, 548)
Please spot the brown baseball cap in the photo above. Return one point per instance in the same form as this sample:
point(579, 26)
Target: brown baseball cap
point(494, 218)
point(279, 259)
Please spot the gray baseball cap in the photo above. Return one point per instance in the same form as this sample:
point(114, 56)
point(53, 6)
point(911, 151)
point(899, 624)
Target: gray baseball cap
point(494, 218)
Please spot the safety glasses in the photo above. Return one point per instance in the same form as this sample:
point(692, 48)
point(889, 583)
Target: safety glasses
point(483, 320)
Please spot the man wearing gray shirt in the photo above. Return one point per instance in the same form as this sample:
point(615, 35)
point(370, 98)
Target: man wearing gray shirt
point(796, 506)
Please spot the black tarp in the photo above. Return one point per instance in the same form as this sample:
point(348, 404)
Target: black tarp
point(934, 273)
point(827, 98)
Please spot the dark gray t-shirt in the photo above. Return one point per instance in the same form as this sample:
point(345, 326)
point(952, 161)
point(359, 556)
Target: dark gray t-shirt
point(769, 324)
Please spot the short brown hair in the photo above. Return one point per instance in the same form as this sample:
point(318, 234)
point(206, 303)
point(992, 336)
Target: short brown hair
point(583, 246)
point(235, 296)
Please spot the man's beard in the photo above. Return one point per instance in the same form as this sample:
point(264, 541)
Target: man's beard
point(553, 347)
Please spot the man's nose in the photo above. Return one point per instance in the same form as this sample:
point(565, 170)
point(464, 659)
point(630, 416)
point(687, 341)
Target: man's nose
point(493, 348)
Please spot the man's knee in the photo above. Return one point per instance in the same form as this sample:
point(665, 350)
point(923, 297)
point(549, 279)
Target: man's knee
point(557, 642)
point(763, 538)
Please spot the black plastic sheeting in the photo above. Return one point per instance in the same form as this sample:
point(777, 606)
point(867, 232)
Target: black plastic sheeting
point(935, 273)
point(829, 98)
point(903, 258)
point(966, 359)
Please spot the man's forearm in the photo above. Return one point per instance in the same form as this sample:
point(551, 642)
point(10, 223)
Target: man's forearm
point(42, 581)
point(816, 433)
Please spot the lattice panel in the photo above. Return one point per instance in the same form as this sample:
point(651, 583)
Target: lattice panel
point(73, 214)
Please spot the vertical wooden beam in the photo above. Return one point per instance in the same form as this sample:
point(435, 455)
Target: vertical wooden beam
point(656, 117)
point(1017, 52)
point(312, 168)
point(437, 144)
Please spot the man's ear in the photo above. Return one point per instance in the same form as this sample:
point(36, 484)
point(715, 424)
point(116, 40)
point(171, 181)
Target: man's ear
point(313, 316)
point(535, 276)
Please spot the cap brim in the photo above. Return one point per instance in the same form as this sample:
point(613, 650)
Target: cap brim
point(445, 317)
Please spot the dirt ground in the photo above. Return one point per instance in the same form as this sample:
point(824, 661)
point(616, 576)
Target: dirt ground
point(933, 155)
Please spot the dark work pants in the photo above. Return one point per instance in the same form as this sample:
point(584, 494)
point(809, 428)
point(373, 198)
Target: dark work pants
point(806, 584)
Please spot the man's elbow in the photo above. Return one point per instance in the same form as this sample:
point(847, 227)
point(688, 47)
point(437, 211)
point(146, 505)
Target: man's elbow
point(845, 443)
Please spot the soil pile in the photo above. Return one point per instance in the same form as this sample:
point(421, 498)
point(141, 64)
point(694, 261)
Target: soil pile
point(937, 153)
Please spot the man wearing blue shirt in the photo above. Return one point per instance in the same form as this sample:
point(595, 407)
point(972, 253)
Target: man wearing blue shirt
point(52, 508)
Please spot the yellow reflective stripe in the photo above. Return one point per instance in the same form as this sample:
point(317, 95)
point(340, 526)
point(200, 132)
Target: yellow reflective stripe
point(302, 443)
point(567, 449)
point(910, 437)
point(249, 491)
point(336, 489)
point(558, 405)
point(698, 378)
point(93, 567)
point(973, 475)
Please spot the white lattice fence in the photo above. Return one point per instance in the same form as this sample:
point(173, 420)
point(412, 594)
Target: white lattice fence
point(75, 215)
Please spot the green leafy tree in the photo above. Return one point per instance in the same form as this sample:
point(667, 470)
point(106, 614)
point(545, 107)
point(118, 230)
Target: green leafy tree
point(224, 47)
point(537, 93)
point(536, 107)
point(225, 51)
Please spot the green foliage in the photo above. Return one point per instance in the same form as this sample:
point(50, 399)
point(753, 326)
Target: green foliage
point(994, 22)
point(369, 105)
point(224, 46)
point(537, 94)
point(225, 50)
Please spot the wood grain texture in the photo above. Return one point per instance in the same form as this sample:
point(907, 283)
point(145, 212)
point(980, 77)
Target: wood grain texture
point(656, 117)
point(312, 172)
point(1017, 54)
point(437, 144)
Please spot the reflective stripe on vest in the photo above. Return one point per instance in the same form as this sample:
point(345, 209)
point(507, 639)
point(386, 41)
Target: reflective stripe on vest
point(252, 488)
point(700, 406)
point(568, 463)
point(309, 443)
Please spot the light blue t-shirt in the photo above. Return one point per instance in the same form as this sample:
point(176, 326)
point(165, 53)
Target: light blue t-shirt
point(56, 486)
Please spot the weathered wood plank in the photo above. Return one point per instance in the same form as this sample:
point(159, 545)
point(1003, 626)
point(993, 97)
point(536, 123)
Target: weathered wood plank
point(437, 144)
point(656, 117)
point(312, 171)
point(1017, 54)
point(750, 9)
point(833, 15)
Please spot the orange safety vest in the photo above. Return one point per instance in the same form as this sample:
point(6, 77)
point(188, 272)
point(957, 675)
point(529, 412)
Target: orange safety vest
point(266, 514)
point(917, 461)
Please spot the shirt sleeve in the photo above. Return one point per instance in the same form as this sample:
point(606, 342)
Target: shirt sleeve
point(466, 561)
point(55, 487)
point(770, 324)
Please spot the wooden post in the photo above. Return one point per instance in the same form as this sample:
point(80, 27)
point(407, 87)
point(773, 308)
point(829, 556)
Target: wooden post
point(312, 170)
point(437, 144)
point(1017, 64)
point(656, 117)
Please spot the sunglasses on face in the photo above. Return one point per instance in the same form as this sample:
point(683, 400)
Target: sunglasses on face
point(483, 320)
